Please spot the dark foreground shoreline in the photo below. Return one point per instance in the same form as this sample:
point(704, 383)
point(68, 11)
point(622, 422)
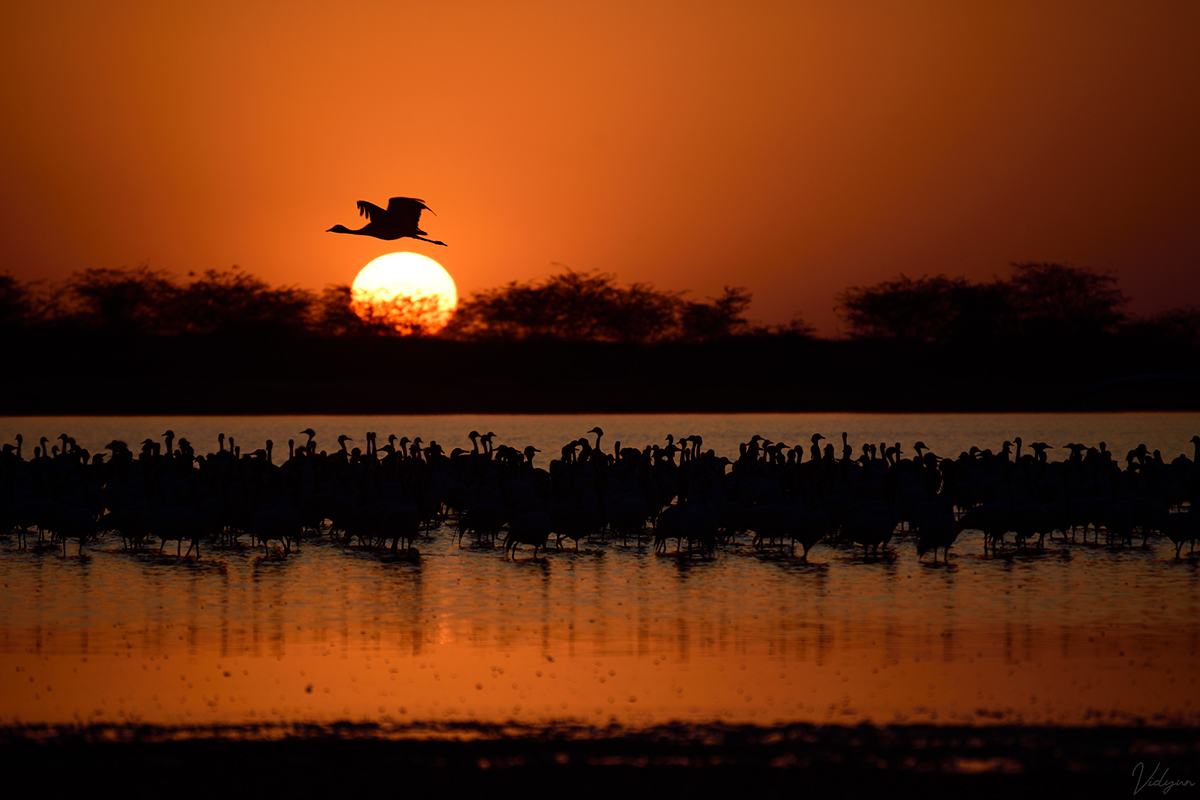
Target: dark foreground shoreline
point(669, 761)
point(70, 374)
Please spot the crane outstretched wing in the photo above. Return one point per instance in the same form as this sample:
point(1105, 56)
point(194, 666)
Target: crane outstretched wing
point(370, 210)
point(406, 210)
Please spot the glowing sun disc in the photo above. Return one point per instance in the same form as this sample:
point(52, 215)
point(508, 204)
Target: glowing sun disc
point(409, 291)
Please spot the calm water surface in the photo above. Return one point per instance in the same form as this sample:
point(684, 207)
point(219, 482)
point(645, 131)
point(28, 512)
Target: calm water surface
point(612, 633)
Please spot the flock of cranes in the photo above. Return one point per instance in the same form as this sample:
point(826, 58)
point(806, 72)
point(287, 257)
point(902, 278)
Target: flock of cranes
point(773, 494)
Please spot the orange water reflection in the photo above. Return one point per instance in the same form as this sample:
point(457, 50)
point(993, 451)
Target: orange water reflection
point(681, 672)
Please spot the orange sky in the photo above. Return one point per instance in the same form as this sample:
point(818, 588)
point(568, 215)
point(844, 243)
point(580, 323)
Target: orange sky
point(794, 148)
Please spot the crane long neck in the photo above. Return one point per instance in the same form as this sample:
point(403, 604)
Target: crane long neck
point(344, 229)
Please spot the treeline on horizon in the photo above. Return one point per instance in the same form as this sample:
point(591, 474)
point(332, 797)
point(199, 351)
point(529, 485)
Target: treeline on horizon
point(1048, 337)
point(1038, 302)
point(569, 307)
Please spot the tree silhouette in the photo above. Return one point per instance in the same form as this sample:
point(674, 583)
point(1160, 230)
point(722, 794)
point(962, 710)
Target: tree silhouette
point(1175, 328)
point(141, 301)
point(720, 319)
point(581, 306)
point(1059, 300)
point(127, 301)
point(1040, 301)
point(332, 315)
point(572, 306)
point(401, 315)
point(921, 309)
point(337, 313)
point(233, 301)
point(979, 312)
point(18, 307)
point(641, 314)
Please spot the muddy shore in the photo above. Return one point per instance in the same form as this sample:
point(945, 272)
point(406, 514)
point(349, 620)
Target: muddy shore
point(106, 375)
point(368, 761)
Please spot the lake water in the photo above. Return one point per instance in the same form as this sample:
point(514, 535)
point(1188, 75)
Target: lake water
point(611, 634)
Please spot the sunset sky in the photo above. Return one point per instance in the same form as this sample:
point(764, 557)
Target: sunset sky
point(793, 148)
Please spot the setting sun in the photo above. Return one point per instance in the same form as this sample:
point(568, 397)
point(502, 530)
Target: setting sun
point(410, 292)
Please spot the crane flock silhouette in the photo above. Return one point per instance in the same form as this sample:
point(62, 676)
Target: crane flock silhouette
point(390, 496)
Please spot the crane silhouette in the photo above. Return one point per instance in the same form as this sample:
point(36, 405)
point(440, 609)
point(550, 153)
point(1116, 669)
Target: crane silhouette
point(397, 221)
